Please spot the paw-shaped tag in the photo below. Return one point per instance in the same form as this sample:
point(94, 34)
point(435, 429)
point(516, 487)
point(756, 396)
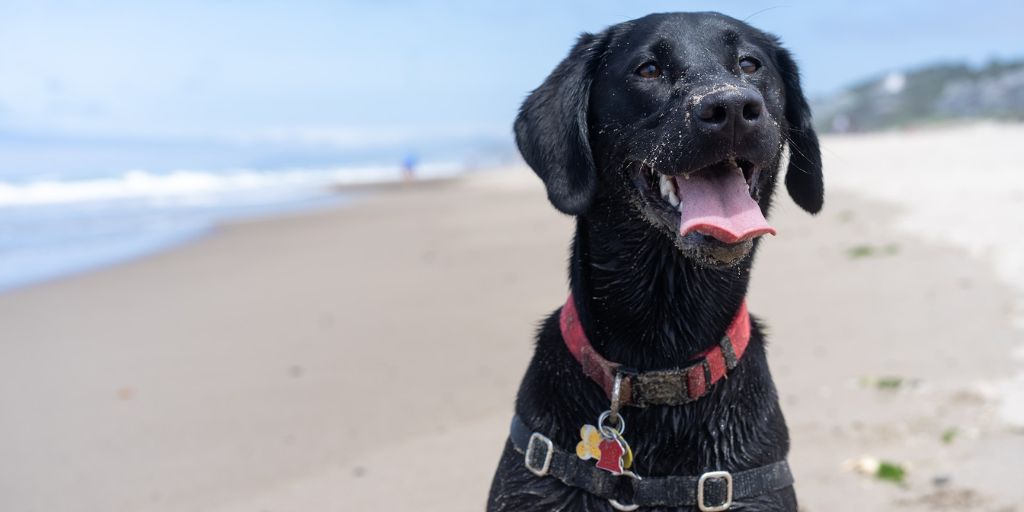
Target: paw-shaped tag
point(589, 446)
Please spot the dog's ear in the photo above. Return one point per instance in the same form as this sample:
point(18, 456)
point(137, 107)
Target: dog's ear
point(551, 129)
point(803, 177)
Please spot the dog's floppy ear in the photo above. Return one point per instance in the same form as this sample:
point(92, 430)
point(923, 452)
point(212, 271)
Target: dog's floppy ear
point(803, 177)
point(551, 129)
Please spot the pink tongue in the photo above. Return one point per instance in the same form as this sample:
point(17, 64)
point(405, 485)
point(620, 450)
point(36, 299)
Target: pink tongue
point(718, 204)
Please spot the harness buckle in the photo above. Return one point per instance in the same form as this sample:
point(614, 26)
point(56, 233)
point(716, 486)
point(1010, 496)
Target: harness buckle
point(714, 475)
point(540, 440)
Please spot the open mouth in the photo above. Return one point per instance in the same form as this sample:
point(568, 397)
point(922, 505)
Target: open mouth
point(719, 201)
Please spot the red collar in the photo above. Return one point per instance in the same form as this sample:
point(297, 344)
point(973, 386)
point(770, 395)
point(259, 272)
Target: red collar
point(661, 387)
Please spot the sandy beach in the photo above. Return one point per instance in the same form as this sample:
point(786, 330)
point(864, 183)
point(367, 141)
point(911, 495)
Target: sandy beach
point(368, 356)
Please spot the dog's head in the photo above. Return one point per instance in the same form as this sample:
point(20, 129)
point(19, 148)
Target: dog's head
point(681, 118)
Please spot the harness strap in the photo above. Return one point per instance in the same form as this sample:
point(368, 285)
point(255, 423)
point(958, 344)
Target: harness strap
point(712, 491)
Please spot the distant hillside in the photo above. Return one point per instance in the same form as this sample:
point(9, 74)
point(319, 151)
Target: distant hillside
point(932, 94)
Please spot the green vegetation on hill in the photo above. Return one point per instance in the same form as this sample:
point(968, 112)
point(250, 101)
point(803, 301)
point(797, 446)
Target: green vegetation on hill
point(932, 94)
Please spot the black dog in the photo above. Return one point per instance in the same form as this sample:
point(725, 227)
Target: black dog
point(664, 137)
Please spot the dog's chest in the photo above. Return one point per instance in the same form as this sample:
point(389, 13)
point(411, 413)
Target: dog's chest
point(688, 441)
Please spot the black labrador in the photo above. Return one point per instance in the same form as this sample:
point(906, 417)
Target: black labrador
point(664, 137)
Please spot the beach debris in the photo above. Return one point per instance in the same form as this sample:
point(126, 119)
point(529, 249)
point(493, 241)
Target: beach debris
point(949, 435)
point(859, 251)
point(125, 393)
point(891, 471)
point(952, 498)
point(887, 382)
point(880, 469)
point(865, 250)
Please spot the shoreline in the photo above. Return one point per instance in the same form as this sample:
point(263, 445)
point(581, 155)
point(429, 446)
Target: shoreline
point(101, 256)
point(290, 363)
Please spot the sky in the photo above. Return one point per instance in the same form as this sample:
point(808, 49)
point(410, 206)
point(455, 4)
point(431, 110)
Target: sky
point(351, 73)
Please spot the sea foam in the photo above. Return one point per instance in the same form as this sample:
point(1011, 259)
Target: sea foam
point(183, 183)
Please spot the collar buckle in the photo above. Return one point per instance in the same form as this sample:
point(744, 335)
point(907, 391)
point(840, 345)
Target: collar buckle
point(701, 484)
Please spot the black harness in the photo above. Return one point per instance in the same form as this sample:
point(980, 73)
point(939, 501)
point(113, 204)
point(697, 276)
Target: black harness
point(711, 492)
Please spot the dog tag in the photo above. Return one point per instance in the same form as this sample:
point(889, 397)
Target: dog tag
point(627, 455)
point(612, 452)
point(627, 452)
point(611, 456)
point(606, 444)
point(589, 446)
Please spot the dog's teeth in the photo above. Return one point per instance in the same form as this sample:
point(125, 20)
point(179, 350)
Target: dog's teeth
point(665, 183)
point(668, 190)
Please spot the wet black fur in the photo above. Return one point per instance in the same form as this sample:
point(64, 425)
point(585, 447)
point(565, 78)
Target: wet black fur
point(642, 301)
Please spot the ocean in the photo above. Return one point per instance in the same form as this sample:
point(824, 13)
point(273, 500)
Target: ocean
point(68, 208)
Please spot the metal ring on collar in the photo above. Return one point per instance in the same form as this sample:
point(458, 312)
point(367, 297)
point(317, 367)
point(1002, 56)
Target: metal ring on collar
point(616, 397)
point(604, 416)
point(619, 506)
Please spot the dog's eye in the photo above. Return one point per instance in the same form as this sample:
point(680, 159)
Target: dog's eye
point(749, 65)
point(649, 70)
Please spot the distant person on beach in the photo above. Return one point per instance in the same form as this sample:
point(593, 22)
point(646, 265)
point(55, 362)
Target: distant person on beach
point(409, 167)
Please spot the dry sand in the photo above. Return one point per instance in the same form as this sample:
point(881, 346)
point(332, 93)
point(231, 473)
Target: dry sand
point(368, 357)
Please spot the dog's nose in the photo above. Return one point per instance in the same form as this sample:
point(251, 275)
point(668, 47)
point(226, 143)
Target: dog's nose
point(737, 107)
